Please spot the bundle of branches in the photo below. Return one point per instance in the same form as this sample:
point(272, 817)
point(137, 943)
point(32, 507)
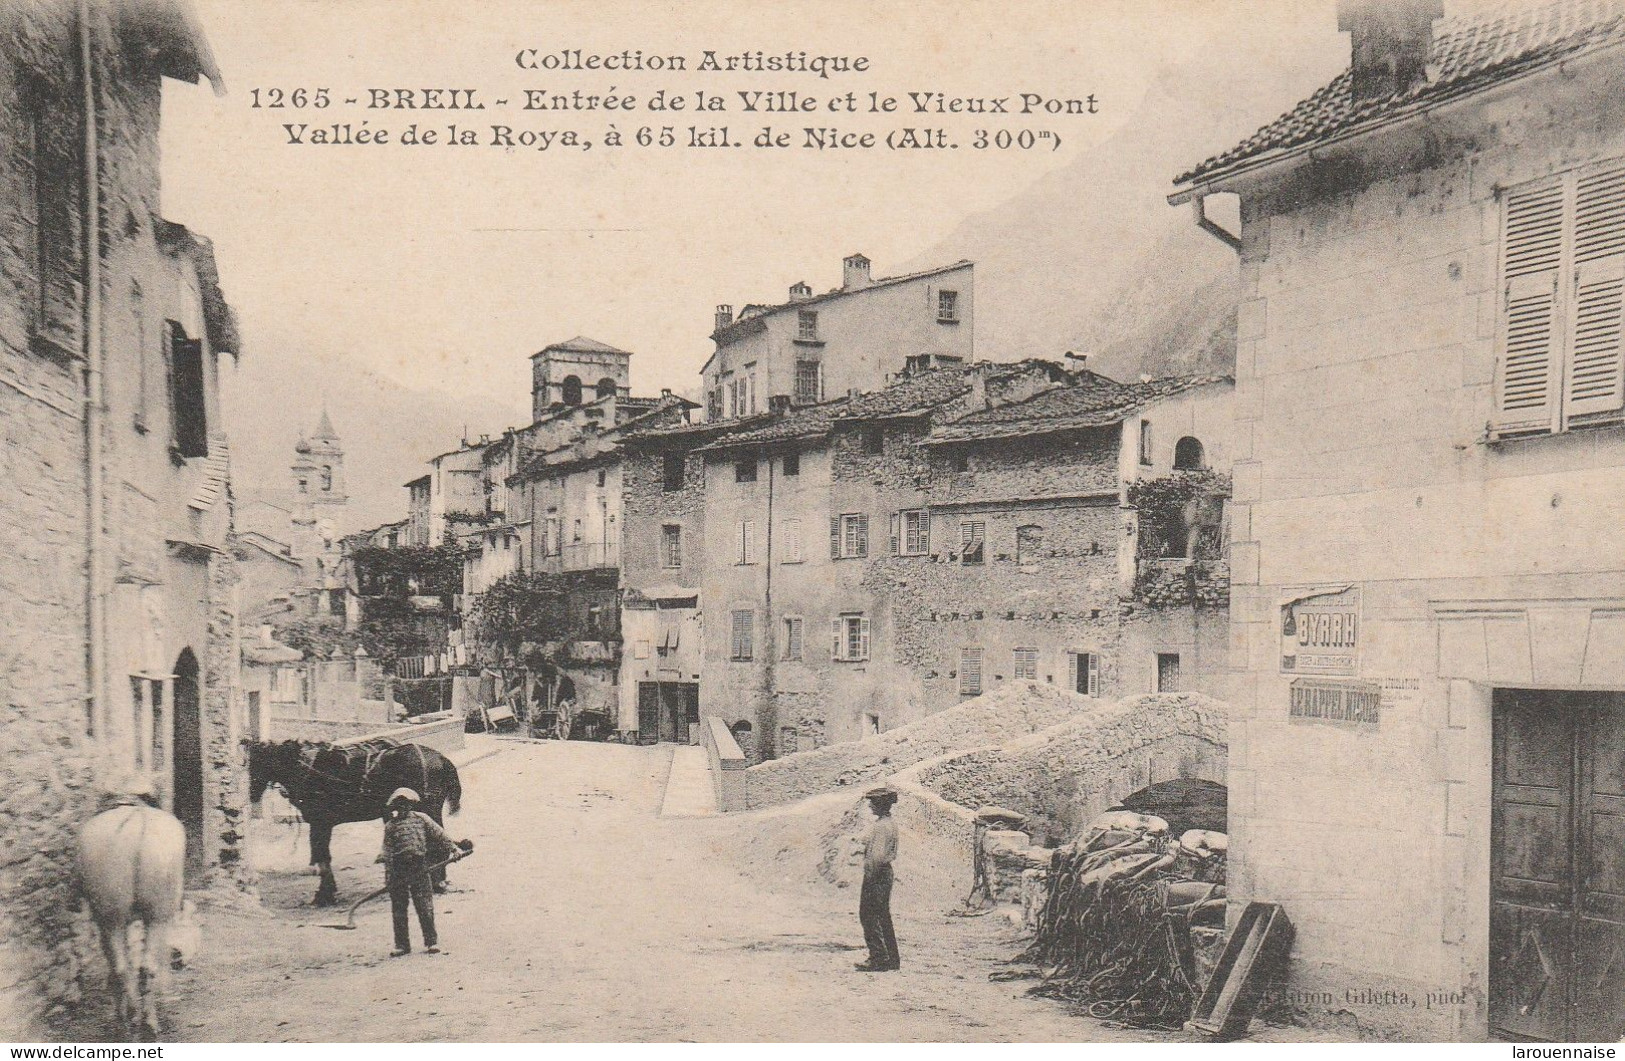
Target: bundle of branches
point(1113, 933)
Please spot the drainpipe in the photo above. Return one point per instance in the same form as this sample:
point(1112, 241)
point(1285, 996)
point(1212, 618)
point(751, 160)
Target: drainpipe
point(1211, 227)
point(95, 492)
point(769, 715)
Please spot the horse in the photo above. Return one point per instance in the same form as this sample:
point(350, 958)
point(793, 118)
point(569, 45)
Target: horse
point(335, 784)
point(132, 863)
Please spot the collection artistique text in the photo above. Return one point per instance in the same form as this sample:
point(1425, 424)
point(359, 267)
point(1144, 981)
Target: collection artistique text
point(565, 60)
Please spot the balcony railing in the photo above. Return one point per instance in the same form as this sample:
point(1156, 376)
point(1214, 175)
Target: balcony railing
point(588, 556)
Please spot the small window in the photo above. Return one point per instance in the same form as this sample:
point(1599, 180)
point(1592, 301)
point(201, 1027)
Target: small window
point(871, 724)
point(570, 390)
point(911, 533)
point(745, 470)
point(1145, 443)
point(793, 632)
point(1029, 540)
point(1084, 676)
point(790, 547)
point(970, 672)
point(606, 387)
point(848, 536)
point(1026, 664)
point(741, 646)
point(640, 649)
point(304, 485)
point(1188, 455)
point(874, 439)
point(327, 478)
point(809, 382)
point(603, 476)
point(851, 638)
point(671, 471)
point(807, 325)
point(792, 462)
point(671, 545)
point(948, 306)
point(747, 541)
point(972, 542)
point(1167, 672)
point(575, 530)
point(960, 461)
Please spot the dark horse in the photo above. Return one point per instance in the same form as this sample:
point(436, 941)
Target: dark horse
point(332, 784)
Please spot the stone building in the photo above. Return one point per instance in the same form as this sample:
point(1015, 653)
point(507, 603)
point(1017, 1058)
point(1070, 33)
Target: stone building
point(858, 337)
point(858, 564)
point(1428, 582)
point(288, 541)
point(117, 581)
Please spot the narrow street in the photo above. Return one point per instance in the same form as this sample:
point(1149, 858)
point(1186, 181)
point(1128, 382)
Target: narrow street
point(583, 915)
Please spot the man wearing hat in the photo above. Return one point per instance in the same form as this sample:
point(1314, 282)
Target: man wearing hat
point(874, 907)
point(413, 843)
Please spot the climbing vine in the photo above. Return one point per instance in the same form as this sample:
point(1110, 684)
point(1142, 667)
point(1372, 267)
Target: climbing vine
point(1181, 518)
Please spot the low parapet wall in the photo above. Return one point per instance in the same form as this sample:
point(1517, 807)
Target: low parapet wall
point(444, 735)
point(727, 763)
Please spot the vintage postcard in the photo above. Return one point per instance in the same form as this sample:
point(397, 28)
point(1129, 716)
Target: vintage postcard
point(901, 521)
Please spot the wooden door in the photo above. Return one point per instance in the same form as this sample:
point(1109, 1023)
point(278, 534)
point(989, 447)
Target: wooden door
point(648, 712)
point(1557, 915)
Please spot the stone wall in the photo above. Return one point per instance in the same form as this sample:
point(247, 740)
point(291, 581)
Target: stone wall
point(1018, 709)
point(1063, 776)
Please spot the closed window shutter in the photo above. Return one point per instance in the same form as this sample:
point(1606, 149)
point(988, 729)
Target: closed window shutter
point(925, 532)
point(1072, 661)
point(835, 537)
point(863, 638)
point(747, 531)
point(836, 633)
point(1596, 367)
point(896, 533)
point(1094, 675)
point(1532, 256)
point(863, 535)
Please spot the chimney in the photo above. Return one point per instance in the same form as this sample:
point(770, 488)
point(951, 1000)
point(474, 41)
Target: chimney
point(725, 317)
point(800, 292)
point(1390, 43)
point(778, 404)
point(855, 273)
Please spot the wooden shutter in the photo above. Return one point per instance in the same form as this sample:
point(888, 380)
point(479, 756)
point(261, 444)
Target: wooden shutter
point(925, 531)
point(836, 631)
point(863, 535)
point(835, 537)
point(863, 638)
point(1596, 364)
point(1532, 254)
point(896, 533)
point(747, 541)
point(1094, 674)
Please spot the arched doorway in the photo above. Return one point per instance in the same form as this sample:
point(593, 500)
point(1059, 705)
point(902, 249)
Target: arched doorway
point(187, 784)
point(570, 390)
point(606, 387)
point(1188, 455)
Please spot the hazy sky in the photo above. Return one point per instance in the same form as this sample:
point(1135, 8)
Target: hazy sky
point(445, 267)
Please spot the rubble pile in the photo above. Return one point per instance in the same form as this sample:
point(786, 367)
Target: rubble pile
point(1127, 908)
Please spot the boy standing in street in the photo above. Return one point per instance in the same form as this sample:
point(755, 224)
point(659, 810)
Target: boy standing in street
point(874, 907)
point(412, 844)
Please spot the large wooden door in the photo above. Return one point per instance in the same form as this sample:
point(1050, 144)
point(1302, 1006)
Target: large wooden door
point(1557, 916)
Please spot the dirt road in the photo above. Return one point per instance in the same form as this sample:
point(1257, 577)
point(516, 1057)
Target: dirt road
point(585, 916)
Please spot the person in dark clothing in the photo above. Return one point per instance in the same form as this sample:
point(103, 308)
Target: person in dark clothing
point(874, 906)
point(412, 844)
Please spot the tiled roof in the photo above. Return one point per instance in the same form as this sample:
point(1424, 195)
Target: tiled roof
point(583, 345)
point(1092, 401)
point(1468, 53)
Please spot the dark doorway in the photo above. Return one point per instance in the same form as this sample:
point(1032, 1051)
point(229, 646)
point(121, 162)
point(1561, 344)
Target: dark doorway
point(188, 762)
point(1557, 870)
point(648, 712)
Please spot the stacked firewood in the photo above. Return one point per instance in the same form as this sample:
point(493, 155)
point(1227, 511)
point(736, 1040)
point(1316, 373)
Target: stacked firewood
point(1115, 931)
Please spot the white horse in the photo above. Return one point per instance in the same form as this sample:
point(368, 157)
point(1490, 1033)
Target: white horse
point(132, 863)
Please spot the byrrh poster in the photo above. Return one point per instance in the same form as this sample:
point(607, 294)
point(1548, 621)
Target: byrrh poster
point(560, 522)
